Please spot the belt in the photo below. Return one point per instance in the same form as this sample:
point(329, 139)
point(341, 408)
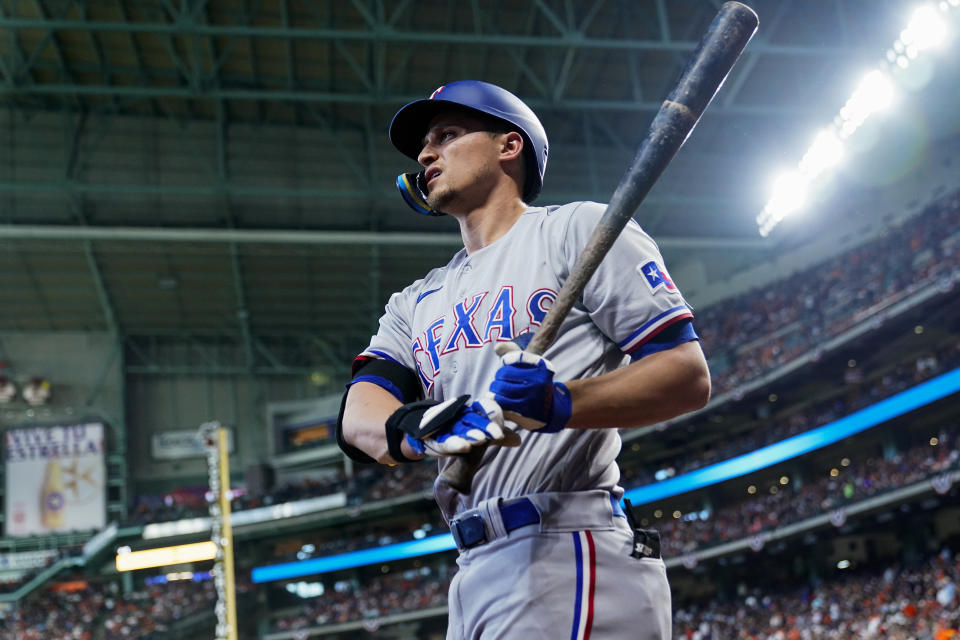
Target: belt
point(469, 531)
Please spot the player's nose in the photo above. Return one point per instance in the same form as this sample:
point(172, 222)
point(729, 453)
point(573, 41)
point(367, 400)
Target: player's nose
point(427, 155)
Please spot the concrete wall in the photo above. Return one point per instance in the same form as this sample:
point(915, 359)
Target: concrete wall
point(158, 403)
point(84, 369)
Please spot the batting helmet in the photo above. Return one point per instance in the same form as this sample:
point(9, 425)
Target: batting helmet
point(410, 124)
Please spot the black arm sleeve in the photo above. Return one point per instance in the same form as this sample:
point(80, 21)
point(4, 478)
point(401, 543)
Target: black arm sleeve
point(400, 381)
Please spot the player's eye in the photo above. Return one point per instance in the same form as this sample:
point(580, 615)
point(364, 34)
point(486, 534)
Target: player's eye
point(446, 135)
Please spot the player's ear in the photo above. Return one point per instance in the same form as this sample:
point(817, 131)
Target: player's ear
point(511, 145)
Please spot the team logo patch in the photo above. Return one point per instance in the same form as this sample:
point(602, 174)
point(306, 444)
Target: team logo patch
point(656, 277)
point(434, 94)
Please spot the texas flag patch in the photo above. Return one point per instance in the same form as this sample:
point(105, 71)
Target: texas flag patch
point(656, 277)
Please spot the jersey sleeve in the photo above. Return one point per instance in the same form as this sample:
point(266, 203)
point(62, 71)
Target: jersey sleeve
point(391, 343)
point(631, 297)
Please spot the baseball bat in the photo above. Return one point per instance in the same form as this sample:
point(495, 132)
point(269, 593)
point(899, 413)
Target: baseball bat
point(702, 76)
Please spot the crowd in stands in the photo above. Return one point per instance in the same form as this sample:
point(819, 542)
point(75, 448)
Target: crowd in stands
point(748, 335)
point(850, 398)
point(915, 602)
point(859, 480)
point(85, 611)
point(896, 602)
point(413, 590)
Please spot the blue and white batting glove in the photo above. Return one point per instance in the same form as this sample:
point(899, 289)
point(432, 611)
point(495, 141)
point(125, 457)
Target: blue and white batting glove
point(452, 427)
point(524, 388)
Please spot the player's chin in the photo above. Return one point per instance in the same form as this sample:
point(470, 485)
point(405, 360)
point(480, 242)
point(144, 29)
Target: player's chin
point(439, 198)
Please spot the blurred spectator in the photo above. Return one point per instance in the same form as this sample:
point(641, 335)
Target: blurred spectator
point(637, 472)
point(82, 613)
point(414, 590)
point(891, 602)
point(861, 479)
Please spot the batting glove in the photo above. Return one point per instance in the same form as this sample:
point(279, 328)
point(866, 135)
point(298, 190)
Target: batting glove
point(523, 386)
point(452, 427)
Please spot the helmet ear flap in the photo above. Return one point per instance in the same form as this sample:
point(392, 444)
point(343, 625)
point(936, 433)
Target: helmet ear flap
point(413, 188)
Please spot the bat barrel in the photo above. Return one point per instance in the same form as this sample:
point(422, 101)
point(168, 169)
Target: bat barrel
point(716, 54)
point(700, 80)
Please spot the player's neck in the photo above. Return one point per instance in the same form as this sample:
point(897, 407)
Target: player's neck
point(484, 226)
point(486, 223)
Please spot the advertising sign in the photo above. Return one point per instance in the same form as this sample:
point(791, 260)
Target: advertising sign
point(55, 479)
point(175, 445)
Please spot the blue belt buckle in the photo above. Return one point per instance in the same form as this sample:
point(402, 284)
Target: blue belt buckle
point(468, 531)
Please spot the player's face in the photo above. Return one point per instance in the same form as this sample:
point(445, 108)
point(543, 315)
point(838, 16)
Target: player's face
point(459, 158)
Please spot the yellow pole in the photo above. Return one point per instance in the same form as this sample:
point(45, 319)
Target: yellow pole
point(227, 534)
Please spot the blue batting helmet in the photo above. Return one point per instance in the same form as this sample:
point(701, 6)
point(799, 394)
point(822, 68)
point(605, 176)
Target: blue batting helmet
point(409, 126)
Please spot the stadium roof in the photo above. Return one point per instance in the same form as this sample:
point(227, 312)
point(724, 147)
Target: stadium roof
point(217, 174)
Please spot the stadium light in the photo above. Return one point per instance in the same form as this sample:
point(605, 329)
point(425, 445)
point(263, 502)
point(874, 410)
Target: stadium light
point(789, 194)
point(874, 93)
point(926, 29)
point(825, 152)
point(165, 556)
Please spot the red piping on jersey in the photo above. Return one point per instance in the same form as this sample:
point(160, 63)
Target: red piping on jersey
point(358, 362)
point(666, 324)
point(593, 584)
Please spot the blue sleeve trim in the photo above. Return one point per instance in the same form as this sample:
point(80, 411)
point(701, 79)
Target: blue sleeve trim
point(382, 383)
point(669, 338)
point(653, 326)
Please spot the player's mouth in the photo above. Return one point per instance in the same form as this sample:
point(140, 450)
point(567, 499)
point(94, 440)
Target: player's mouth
point(430, 174)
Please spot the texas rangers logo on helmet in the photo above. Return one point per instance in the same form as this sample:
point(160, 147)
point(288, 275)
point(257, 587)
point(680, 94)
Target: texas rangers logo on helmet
point(438, 90)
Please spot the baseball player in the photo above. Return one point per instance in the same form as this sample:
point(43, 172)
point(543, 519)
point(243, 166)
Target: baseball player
point(545, 549)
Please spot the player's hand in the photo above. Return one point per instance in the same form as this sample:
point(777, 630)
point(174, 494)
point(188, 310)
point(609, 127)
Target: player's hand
point(452, 427)
point(523, 386)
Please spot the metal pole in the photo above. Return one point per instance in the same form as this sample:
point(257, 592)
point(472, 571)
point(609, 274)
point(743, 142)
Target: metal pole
point(227, 534)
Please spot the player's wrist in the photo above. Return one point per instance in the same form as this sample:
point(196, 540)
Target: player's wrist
point(412, 449)
point(561, 409)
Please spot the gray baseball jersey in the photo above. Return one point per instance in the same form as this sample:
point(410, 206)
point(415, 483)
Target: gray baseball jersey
point(444, 326)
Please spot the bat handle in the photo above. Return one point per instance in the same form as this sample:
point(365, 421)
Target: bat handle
point(458, 475)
